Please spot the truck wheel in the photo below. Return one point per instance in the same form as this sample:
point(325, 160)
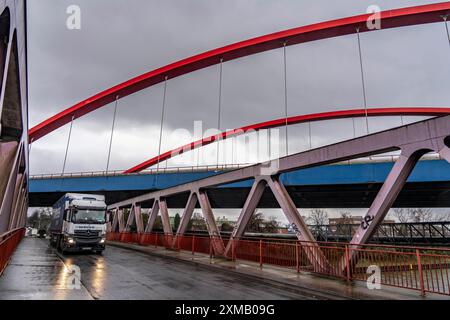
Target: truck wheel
point(61, 245)
point(53, 241)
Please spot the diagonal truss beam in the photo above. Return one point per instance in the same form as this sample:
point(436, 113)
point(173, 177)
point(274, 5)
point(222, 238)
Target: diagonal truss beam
point(213, 231)
point(387, 195)
point(187, 213)
point(152, 216)
point(130, 219)
point(121, 220)
point(115, 219)
point(135, 217)
point(247, 211)
point(425, 132)
point(165, 216)
point(138, 218)
point(311, 249)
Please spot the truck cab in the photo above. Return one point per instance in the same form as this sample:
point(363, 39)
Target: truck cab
point(79, 223)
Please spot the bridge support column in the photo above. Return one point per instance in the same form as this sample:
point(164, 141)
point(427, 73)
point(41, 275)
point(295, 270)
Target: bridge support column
point(213, 231)
point(152, 216)
point(247, 211)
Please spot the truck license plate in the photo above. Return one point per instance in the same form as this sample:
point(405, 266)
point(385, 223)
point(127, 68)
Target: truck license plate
point(86, 248)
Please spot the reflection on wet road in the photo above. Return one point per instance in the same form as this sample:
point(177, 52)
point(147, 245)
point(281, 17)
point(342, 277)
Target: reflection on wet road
point(37, 272)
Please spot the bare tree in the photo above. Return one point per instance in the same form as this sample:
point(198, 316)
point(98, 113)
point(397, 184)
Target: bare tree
point(401, 214)
point(197, 223)
point(258, 223)
point(318, 217)
point(345, 223)
point(421, 215)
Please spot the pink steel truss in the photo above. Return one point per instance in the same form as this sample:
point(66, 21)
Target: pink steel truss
point(412, 141)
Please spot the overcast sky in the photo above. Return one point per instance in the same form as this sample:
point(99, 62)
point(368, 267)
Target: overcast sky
point(120, 39)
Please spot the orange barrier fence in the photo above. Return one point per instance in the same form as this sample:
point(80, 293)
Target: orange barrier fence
point(417, 268)
point(8, 243)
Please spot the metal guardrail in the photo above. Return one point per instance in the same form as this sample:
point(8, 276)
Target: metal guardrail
point(112, 173)
point(209, 168)
point(8, 243)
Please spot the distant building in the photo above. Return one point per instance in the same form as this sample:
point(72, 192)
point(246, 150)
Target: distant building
point(221, 220)
point(282, 230)
point(345, 220)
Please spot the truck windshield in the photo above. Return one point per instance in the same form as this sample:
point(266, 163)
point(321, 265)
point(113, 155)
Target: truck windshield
point(88, 216)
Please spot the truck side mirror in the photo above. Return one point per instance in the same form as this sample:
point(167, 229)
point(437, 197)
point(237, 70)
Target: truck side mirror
point(66, 215)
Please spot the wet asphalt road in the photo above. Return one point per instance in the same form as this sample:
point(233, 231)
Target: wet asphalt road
point(36, 271)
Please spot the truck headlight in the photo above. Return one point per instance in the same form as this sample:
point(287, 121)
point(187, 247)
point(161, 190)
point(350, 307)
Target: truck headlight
point(70, 240)
point(103, 240)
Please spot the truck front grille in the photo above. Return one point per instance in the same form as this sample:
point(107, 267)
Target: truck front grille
point(87, 234)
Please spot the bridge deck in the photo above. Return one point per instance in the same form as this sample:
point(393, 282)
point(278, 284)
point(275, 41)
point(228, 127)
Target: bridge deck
point(37, 271)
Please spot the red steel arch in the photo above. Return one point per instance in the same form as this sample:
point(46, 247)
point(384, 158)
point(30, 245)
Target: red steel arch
point(389, 19)
point(375, 112)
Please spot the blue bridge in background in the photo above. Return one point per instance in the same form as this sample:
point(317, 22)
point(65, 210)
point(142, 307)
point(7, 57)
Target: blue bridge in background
point(349, 178)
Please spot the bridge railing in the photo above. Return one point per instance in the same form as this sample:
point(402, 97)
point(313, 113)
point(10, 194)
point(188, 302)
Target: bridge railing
point(8, 243)
point(408, 232)
point(209, 168)
point(416, 268)
point(112, 173)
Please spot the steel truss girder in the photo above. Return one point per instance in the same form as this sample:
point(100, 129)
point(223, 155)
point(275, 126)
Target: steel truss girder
point(413, 140)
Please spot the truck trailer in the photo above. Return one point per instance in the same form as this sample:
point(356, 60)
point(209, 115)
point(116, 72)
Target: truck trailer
point(79, 223)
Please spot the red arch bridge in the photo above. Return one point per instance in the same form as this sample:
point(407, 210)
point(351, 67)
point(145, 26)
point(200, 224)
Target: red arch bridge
point(414, 268)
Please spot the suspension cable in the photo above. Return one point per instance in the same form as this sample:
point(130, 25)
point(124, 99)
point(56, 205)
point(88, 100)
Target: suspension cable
point(112, 134)
point(285, 98)
point(354, 127)
point(362, 79)
point(29, 146)
point(310, 138)
point(219, 109)
point(446, 28)
point(67, 147)
point(161, 123)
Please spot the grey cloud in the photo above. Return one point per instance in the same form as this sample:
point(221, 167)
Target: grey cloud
point(120, 39)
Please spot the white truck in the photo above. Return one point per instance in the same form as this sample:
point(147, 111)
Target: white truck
point(79, 223)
